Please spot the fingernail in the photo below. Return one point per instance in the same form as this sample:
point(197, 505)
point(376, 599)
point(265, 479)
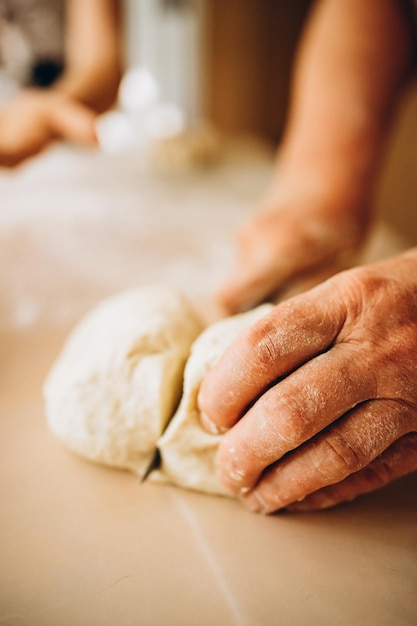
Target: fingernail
point(209, 425)
point(255, 503)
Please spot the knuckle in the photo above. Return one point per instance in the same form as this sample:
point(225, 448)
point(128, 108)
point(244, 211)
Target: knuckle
point(341, 459)
point(361, 284)
point(295, 431)
point(369, 280)
point(262, 343)
point(266, 349)
point(289, 421)
point(365, 285)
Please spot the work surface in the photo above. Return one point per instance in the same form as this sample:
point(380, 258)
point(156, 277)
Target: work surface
point(81, 544)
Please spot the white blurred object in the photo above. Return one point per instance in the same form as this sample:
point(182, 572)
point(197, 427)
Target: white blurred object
point(166, 37)
point(160, 112)
point(115, 133)
point(138, 90)
point(160, 133)
point(141, 117)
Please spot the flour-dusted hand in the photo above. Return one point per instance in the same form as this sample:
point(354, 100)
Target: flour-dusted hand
point(298, 238)
point(35, 118)
point(320, 396)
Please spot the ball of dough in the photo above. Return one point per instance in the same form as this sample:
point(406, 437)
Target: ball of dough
point(118, 379)
point(187, 451)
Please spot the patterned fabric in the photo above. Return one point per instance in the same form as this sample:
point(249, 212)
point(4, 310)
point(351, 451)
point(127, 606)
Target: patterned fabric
point(32, 40)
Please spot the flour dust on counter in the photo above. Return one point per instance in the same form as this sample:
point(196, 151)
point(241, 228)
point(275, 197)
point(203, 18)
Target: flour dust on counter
point(118, 389)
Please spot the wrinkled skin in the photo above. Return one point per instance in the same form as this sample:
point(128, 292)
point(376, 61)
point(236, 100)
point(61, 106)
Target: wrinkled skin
point(318, 400)
point(34, 119)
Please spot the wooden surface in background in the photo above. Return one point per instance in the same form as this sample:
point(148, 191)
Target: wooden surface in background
point(249, 53)
point(250, 47)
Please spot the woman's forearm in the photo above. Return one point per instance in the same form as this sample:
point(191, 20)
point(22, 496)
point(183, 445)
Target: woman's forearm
point(93, 52)
point(354, 60)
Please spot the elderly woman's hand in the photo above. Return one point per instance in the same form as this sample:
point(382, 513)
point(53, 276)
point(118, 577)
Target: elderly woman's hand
point(319, 398)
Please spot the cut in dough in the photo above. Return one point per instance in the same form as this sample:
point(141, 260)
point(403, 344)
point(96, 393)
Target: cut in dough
point(118, 379)
point(187, 451)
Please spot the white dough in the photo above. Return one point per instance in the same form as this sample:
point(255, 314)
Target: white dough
point(187, 451)
point(118, 379)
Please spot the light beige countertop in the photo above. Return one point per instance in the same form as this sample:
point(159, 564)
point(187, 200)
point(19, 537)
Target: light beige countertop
point(85, 545)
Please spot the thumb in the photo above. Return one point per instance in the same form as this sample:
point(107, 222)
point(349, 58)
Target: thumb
point(74, 122)
point(246, 287)
point(265, 260)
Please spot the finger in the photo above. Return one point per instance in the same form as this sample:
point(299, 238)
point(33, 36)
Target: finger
point(292, 412)
point(399, 460)
point(345, 448)
point(14, 158)
point(10, 161)
point(294, 332)
point(247, 286)
point(74, 122)
point(15, 148)
point(262, 265)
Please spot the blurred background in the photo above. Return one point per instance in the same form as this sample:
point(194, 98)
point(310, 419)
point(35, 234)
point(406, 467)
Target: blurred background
point(188, 99)
point(230, 61)
point(188, 131)
point(194, 65)
point(232, 65)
